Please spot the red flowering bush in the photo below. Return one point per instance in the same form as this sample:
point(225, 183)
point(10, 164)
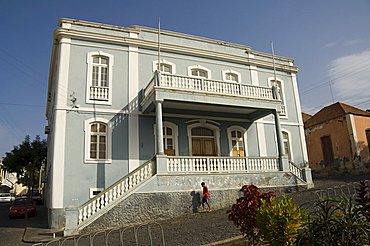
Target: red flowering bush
point(243, 212)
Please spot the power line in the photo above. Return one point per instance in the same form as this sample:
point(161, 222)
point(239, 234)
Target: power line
point(21, 104)
point(321, 84)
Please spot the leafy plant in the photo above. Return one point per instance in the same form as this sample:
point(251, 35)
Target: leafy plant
point(336, 222)
point(363, 199)
point(243, 212)
point(279, 221)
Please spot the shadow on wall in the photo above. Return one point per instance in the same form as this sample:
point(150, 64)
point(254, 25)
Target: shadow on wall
point(195, 201)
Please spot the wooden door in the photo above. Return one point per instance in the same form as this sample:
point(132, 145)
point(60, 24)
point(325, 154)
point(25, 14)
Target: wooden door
point(203, 147)
point(327, 150)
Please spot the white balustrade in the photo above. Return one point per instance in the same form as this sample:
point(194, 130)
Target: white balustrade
point(201, 164)
point(99, 93)
point(213, 86)
point(296, 170)
point(115, 191)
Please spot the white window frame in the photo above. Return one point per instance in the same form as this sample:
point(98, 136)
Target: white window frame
point(91, 190)
point(224, 72)
point(173, 66)
point(204, 124)
point(244, 132)
point(87, 158)
point(282, 90)
point(89, 61)
point(199, 67)
point(175, 134)
point(289, 144)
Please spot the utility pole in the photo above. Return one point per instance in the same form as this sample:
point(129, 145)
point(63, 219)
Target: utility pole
point(331, 92)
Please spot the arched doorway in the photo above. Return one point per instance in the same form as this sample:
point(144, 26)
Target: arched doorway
point(203, 141)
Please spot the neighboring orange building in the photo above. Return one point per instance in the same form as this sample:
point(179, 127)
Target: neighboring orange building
point(337, 135)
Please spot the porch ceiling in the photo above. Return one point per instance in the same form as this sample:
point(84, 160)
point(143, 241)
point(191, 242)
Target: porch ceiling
point(188, 108)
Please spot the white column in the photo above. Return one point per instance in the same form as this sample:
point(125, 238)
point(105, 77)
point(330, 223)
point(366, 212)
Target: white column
point(261, 137)
point(159, 130)
point(133, 117)
point(59, 129)
point(299, 116)
point(279, 138)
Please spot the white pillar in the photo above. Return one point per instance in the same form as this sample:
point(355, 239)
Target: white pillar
point(159, 130)
point(59, 129)
point(279, 138)
point(133, 116)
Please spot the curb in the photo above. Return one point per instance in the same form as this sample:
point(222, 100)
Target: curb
point(221, 242)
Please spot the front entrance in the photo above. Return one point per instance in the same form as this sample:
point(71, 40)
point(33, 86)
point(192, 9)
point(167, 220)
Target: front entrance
point(203, 142)
point(327, 149)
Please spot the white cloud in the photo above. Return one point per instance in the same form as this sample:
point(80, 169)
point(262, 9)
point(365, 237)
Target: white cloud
point(350, 77)
point(346, 43)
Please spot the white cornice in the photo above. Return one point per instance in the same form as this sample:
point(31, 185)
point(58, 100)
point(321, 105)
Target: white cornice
point(179, 49)
point(137, 29)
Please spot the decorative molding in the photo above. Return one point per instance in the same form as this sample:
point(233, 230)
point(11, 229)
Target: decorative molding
point(87, 123)
point(203, 123)
point(172, 48)
point(289, 141)
point(89, 57)
point(224, 72)
point(209, 76)
point(244, 131)
point(173, 66)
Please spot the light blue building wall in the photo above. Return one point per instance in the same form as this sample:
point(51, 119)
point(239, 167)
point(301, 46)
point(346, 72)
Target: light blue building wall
point(131, 72)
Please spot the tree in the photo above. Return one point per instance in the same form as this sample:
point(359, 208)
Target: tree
point(26, 160)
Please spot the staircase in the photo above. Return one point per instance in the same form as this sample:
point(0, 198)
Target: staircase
point(104, 201)
point(93, 213)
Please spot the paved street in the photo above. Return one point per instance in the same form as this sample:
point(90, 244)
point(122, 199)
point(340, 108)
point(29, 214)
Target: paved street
point(11, 230)
point(199, 229)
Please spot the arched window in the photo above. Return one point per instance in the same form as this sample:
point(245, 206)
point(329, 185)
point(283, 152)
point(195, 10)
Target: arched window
point(199, 72)
point(237, 141)
point(168, 141)
point(231, 76)
point(286, 142)
point(97, 141)
point(170, 138)
point(99, 78)
point(166, 67)
point(100, 71)
point(280, 91)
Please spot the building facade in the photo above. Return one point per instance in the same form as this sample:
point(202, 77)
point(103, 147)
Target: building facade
point(338, 136)
point(127, 122)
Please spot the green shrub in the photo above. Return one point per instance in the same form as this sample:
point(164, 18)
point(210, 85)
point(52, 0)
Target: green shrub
point(336, 222)
point(243, 212)
point(279, 221)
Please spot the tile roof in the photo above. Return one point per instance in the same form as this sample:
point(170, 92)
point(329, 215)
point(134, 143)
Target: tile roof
point(334, 111)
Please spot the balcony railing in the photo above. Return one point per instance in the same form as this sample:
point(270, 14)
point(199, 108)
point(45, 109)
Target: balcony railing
point(210, 86)
point(201, 164)
point(99, 93)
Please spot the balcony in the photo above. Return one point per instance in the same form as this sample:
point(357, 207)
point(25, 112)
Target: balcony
point(213, 164)
point(200, 90)
point(99, 93)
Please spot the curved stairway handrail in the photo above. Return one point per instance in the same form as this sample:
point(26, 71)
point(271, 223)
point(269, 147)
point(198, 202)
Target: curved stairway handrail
point(297, 171)
point(115, 191)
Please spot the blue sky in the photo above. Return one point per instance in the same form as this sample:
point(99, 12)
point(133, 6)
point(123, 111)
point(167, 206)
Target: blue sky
point(329, 40)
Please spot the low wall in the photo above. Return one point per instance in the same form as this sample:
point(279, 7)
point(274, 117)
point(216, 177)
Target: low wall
point(170, 196)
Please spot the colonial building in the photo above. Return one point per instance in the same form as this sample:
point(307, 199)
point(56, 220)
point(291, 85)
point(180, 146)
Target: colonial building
point(338, 134)
point(132, 131)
